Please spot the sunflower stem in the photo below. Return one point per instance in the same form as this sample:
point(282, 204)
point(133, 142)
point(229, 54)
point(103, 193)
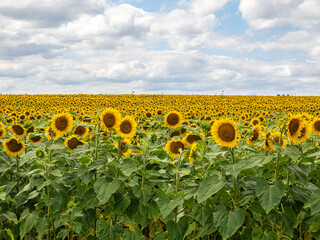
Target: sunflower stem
point(235, 190)
point(177, 179)
point(18, 174)
point(278, 156)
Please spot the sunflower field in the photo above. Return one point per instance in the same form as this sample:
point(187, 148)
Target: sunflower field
point(159, 167)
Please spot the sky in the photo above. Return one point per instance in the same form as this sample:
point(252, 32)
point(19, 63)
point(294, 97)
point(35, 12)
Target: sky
point(240, 47)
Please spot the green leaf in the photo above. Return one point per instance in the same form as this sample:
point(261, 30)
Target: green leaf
point(285, 220)
point(300, 172)
point(8, 231)
point(234, 169)
point(178, 230)
point(29, 222)
point(104, 190)
point(132, 235)
point(11, 216)
point(292, 152)
point(166, 205)
point(107, 231)
point(315, 202)
point(122, 206)
point(269, 195)
point(201, 213)
point(228, 222)
point(209, 186)
point(129, 166)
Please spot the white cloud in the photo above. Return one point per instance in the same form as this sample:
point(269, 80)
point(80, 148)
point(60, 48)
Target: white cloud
point(100, 48)
point(263, 14)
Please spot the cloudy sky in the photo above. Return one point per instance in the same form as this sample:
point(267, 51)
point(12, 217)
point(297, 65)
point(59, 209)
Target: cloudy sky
point(261, 47)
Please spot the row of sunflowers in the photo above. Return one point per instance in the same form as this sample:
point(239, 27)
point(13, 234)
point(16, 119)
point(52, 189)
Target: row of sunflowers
point(159, 167)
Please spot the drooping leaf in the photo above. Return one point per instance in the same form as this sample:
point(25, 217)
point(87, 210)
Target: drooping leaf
point(104, 189)
point(269, 195)
point(209, 186)
point(228, 222)
point(315, 202)
point(167, 205)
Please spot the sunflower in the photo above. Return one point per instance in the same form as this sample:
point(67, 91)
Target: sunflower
point(35, 139)
point(191, 138)
point(255, 135)
point(2, 133)
point(72, 142)
point(191, 153)
point(13, 146)
point(62, 123)
point(81, 131)
point(275, 136)
point(225, 133)
point(173, 119)
point(18, 130)
point(295, 125)
point(127, 127)
point(316, 126)
point(267, 142)
point(110, 118)
point(173, 146)
point(255, 122)
point(304, 133)
point(124, 148)
point(50, 134)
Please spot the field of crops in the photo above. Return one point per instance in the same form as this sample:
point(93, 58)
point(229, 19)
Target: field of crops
point(159, 167)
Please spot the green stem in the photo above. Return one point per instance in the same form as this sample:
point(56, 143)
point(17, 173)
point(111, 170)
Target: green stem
point(18, 174)
point(278, 156)
point(203, 172)
point(235, 190)
point(177, 179)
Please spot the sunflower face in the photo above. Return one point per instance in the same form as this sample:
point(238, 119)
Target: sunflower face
point(35, 139)
point(294, 127)
point(225, 133)
point(72, 142)
point(316, 126)
point(18, 130)
point(254, 137)
point(191, 138)
point(110, 118)
point(124, 148)
point(127, 127)
point(173, 147)
point(13, 146)
point(81, 131)
point(2, 133)
point(173, 119)
point(62, 123)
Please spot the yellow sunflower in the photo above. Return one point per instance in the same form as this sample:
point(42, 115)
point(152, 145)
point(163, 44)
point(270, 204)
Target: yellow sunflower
point(2, 133)
point(50, 134)
point(13, 146)
point(191, 138)
point(123, 147)
point(191, 153)
point(173, 119)
point(173, 146)
point(304, 133)
point(127, 127)
point(62, 123)
point(295, 124)
point(316, 126)
point(255, 122)
point(225, 133)
point(18, 130)
point(267, 143)
point(81, 131)
point(72, 142)
point(255, 135)
point(275, 136)
point(35, 139)
point(110, 118)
